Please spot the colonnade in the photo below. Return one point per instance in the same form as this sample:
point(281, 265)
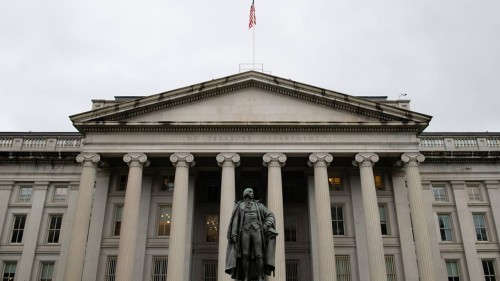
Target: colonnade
point(179, 257)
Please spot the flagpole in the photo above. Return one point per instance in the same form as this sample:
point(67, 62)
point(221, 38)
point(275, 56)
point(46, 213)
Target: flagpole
point(254, 48)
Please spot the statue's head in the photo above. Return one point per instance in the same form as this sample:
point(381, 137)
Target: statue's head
point(248, 192)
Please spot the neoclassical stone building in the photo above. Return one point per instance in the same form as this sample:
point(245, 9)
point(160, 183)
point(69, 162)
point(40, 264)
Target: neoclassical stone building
point(144, 191)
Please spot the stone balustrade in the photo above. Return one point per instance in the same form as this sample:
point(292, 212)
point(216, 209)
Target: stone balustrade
point(40, 142)
point(459, 143)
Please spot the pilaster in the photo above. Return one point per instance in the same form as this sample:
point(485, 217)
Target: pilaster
point(493, 190)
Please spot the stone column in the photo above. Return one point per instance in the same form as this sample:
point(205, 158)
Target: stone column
point(79, 232)
point(128, 234)
point(404, 224)
point(375, 246)
point(274, 162)
point(493, 190)
point(420, 229)
point(326, 253)
point(228, 161)
point(177, 257)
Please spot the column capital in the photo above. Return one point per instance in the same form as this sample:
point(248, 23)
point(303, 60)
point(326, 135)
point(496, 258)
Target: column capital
point(228, 159)
point(274, 159)
point(182, 160)
point(136, 159)
point(412, 159)
point(320, 160)
point(88, 159)
point(365, 159)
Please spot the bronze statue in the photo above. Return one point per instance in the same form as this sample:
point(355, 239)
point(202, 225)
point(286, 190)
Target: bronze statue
point(252, 240)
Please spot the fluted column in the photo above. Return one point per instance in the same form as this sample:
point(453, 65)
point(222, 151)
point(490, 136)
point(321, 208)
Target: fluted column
point(420, 229)
point(177, 257)
point(228, 161)
point(274, 162)
point(375, 246)
point(128, 233)
point(326, 253)
point(79, 231)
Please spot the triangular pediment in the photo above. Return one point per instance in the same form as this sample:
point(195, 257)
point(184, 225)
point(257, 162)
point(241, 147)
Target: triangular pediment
point(249, 99)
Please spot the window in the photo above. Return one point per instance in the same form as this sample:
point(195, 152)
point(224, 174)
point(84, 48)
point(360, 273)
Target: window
point(474, 192)
point(46, 271)
point(213, 193)
point(445, 227)
point(117, 220)
point(24, 195)
point(122, 183)
point(292, 270)
point(335, 183)
point(159, 269)
point(489, 270)
point(164, 219)
point(439, 193)
point(379, 182)
point(110, 273)
point(384, 227)
point(290, 193)
point(167, 183)
point(60, 193)
point(480, 225)
point(9, 271)
point(18, 229)
point(343, 265)
point(212, 228)
point(390, 268)
point(290, 228)
point(54, 228)
point(453, 271)
point(338, 220)
point(209, 270)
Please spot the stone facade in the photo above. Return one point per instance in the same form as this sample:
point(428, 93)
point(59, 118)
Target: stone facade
point(360, 192)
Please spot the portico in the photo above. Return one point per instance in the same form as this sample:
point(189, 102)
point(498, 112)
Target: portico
point(286, 140)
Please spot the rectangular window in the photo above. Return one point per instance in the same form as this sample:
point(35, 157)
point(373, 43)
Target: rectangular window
point(445, 227)
point(213, 193)
point(122, 183)
point(164, 221)
point(212, 228)
point(343, 268)
point(338, 220)
point(489, 270)
point(117, 220)
point(9, 271)
point(46, 271)
point(24, 195)
point(335, 183)
point(292, 270)
point(18, 229)
point(290, 228)
point(384, 226)
point(453, 271)
point(379, 182)
point(439, 193)
point(110, 273)
point(209, 270)
point(159, 269)
point(474, 192)
point(480, 225)
point(55, 222)
point(167, 183)
point(390, 268)
point(60, 193)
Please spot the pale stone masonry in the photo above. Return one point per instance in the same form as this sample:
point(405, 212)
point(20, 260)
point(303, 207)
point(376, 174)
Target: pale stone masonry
point(131, 203)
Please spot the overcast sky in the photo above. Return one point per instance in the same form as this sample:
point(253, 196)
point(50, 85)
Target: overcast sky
point(57, 55)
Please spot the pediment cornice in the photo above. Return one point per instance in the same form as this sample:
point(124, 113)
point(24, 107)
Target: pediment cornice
point(117, 115)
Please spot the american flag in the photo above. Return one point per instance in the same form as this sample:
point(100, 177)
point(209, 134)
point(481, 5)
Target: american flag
point(253, 19)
